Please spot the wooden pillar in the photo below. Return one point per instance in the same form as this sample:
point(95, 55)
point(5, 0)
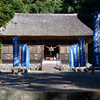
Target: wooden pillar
point(59, 52)
point(42, 52)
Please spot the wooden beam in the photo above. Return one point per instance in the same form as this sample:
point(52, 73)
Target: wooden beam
point(89, 40)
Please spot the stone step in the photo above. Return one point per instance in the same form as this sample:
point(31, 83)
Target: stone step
point(50, 68)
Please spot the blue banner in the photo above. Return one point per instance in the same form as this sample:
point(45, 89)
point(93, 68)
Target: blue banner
point(71, 59)
point(23, 54)
point(27, 57)
point(96, 38)
point(82, 58)
point(75, 55)
point(16, 44)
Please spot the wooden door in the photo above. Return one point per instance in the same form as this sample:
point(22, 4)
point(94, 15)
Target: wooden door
point(64, 53)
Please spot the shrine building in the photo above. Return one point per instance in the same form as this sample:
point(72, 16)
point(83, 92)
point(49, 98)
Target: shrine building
point(48, 36)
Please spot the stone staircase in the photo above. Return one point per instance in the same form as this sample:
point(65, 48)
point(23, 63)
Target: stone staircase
point(50, 66)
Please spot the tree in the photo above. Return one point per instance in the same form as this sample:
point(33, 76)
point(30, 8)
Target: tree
point(84, 8)
point(85, 13)
point(45, 6)
point(8, 8)
point(6, 13)
point(18, 6)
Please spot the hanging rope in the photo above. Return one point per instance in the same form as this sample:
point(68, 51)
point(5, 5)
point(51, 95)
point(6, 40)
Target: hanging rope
point(46, 46)
point(51, 46)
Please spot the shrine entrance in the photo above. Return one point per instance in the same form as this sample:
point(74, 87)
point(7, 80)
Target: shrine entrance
point(51, 52)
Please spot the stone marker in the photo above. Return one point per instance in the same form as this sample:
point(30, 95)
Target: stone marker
point(18, 73)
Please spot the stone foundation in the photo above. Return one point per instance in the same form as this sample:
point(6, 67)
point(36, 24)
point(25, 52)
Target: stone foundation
point(27, 95)
point(10, 67)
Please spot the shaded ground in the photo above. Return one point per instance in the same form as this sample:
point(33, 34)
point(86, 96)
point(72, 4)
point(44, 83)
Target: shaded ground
point(83, 80)
point(43, 81)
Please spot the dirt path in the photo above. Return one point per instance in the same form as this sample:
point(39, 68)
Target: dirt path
point(52, 82)
point(45, 81)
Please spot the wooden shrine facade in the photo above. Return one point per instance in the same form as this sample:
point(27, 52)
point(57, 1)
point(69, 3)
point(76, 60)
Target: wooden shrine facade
point(38, 47)
point(41, 31)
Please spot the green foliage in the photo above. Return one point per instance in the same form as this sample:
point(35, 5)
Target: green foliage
point(70, 9)
point(27, 1)
point(45, 6)
point(18, 6)
point(84, 8)
point(6, 13)
point(7, 9)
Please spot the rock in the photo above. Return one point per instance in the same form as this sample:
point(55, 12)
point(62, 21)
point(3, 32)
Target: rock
point(19, 73)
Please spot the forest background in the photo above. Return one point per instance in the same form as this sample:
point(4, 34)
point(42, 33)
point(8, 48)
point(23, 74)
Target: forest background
point(84, 9)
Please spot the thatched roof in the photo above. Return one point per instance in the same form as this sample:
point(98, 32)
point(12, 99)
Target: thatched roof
point(46, 25)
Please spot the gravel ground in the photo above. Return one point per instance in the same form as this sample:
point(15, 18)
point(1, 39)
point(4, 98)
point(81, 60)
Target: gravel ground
point(8, 80)
point(44, 81)
point(83, 80)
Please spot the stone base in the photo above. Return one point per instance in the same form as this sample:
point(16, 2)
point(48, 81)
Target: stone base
point(19, 73)
point(27, 95)
point(10, 67)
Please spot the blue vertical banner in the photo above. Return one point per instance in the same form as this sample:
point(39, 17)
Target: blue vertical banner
point(82, 57)
point(16, 44)
point(23, 54)
point(75, 55)
point(96, 38)
point(27, 57)
point(71, 59)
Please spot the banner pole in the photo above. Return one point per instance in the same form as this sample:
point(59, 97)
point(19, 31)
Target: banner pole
point(79, 59)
